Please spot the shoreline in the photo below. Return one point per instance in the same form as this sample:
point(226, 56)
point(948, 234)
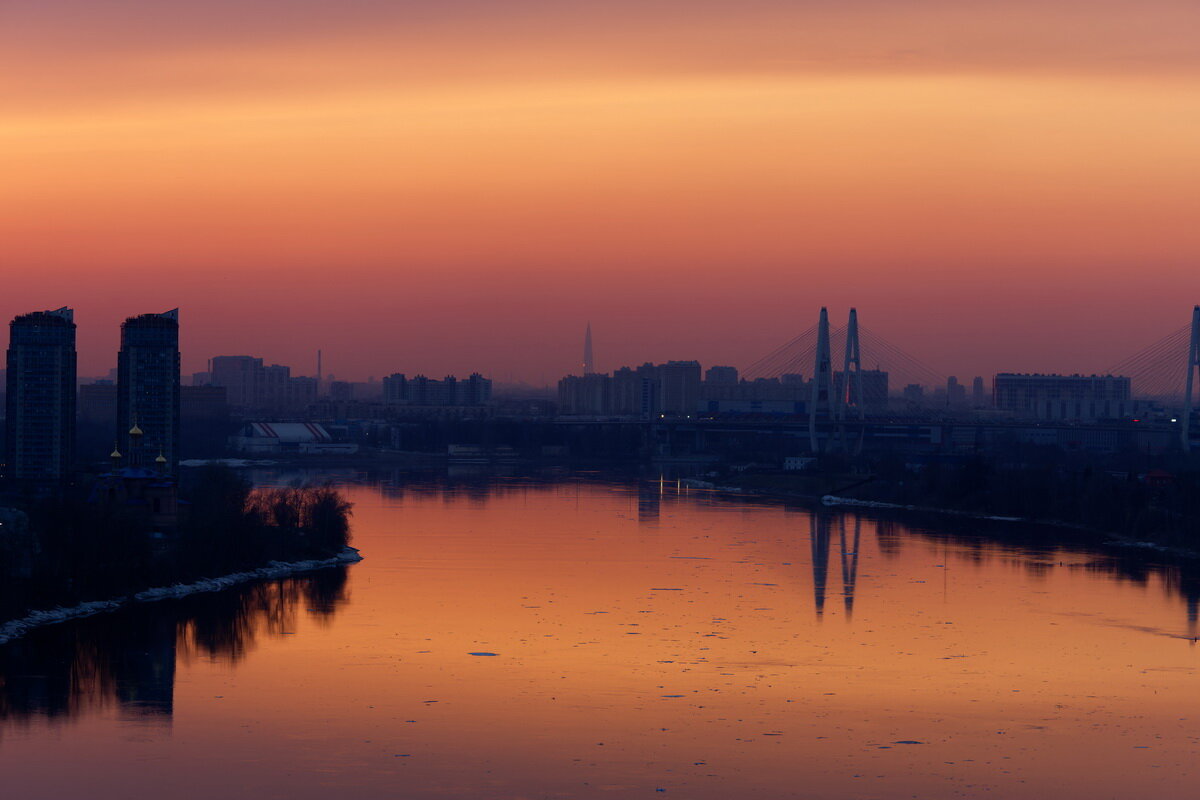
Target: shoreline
point(1107, 538)
point(274, 570)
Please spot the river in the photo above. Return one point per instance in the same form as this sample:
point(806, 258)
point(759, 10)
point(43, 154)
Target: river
point(599, 637)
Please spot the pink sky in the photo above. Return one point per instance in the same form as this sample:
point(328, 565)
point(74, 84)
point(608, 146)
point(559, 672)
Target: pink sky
point(463, 185)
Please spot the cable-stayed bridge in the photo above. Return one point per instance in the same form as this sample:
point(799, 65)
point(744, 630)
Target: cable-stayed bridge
point(851, 370)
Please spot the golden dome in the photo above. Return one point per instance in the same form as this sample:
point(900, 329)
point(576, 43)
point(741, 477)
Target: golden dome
point(115, 453)
point(161, 459)
point(135, 430)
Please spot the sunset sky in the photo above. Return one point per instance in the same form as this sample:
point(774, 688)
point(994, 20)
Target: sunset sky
point(446, 185)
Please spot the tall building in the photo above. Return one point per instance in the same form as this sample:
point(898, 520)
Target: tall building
point(874, 387)
point(301, 392)
point(978, 393)
point(586, 394)
point(1067, 397)
point(251, 384)
point(40, 396)
point(148, 384)
point(273, 386)
point(399, 390)
point(242, 377)
point(679, 387)
point(956, 393)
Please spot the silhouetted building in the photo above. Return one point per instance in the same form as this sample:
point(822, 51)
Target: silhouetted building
point(140, 483)
point(1073, 397)
point(874, 388)
point(399, 390)
point(585, 395)
point(721, 376)
point(40, 396)
point(679, 387)
point(273, 386)
point(914, 393)
point(148, 383)
point(761, 395)
point(395, 389)
point(475, 390)
point(627, 393)
point(978, 393)
point(301, 392)
point(241, 377)
point(956, 393)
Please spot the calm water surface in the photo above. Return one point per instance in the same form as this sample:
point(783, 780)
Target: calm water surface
point(514, 638)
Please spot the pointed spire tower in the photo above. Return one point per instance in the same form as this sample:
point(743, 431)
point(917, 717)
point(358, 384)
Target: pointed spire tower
point(589, 363)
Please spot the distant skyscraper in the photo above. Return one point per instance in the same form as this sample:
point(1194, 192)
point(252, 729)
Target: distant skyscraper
point(242, 377)
point(589, 363)
point(956, 393)
point(978, 394)
point(148, 384)
point(40, 405)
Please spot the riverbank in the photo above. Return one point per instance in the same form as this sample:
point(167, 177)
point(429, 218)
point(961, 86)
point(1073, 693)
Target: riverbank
point(809, 492)
point(275, 570)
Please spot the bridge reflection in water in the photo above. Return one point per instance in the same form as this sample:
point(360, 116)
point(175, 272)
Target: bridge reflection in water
point(128, 660)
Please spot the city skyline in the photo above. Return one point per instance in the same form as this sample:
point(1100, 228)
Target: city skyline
point(96, 362)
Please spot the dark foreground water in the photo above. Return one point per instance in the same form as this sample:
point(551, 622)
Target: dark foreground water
point(579, 639)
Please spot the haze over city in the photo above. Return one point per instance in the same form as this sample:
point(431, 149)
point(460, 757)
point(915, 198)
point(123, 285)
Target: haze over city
point(463, 185)
point(599, 399)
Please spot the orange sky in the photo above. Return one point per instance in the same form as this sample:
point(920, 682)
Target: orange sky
point(457, 185)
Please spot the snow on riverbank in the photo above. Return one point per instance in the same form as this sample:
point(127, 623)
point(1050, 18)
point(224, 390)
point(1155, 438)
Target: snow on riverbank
point(275, 570)
point(832, 500)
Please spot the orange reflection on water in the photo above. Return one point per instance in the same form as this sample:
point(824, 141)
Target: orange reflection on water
point(650, 638)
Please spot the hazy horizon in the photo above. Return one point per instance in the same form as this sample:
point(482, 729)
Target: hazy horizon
point(452, 186)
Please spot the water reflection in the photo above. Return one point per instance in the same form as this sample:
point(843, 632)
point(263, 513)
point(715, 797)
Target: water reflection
point(595, 636)
point(1035, 547)
point(129, 659)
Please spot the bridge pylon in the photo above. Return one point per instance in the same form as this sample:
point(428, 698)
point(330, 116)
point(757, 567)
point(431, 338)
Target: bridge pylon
point(850, 392)
point(822, 382)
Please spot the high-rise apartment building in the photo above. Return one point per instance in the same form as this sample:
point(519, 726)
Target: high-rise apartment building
point(679, 386)
point(979, 396)
point(400, 390)
point(40, 396)
point(148, 384)
point(721, 376)
point(1066, 397)
point(242, 377)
